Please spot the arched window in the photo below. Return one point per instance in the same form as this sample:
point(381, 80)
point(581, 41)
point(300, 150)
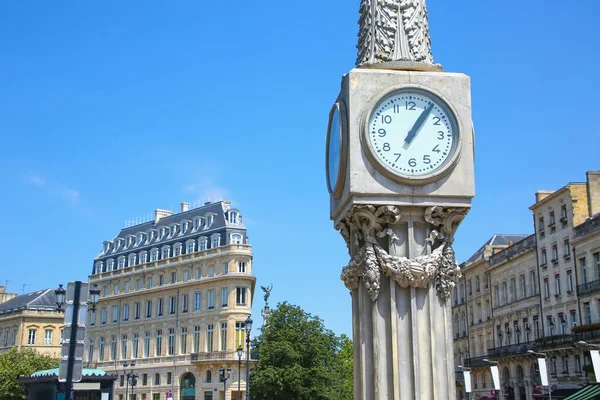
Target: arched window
point(99, 267)
point(110, 264)
point(177, 249)
point(132, 258)
point(202, 243)
point(143, 257)
point(154, 254)
point(190, 246)
point(209, 220)
point(236, 238)
point(121, 263)
point(188, 386)
point(208, 376)
point(166, 252)
point(157, 379)
point(215, 240)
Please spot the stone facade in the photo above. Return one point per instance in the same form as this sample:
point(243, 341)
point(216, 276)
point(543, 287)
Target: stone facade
point(32, 321)
point(177, 312)
point(542, 289)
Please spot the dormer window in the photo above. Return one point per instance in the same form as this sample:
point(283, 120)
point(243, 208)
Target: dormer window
point(116, 245)
point(99, 266)
point(110, 264)
point(215, 240)
point(202, 243)
point(132, 258)
point(176, 249)
point(143, 257)
point(106, 247)
point(190, 246)
point(172, 230)
point(139, 239)
point(128, 241)
point(236, 238)
point(183, 227)
point(233, 217)
point(166, 252)
point(121, 264)
point(150, 236)
point(161, 233)
point(154, 255)
point(209, 220)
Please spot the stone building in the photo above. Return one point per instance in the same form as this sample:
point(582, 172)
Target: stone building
point(31, 321)
point(545, 296)
point(4, 296)
point(175, 293)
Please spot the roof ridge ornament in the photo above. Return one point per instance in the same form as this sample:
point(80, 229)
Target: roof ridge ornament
point(394, 31)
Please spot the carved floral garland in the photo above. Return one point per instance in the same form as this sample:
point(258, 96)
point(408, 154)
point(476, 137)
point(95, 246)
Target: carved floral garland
point(364, 226)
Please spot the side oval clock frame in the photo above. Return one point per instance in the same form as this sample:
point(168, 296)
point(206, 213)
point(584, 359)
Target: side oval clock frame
point(435, 175)
point(338, 148)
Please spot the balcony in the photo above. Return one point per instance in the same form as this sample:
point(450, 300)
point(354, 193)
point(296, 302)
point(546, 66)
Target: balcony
point(514, 349)
point(588, 287)
point(587, 332)
point(221, 356)
point(476, 362)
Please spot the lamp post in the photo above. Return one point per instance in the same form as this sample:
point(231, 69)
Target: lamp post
point(496, 363)
point(129, 374)
point(248, 326)
point(240, 351)
point(224, 374)
point(545, 356)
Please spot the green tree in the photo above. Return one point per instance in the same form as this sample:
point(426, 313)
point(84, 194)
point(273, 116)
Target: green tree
point(299, 359)
point(16, 363)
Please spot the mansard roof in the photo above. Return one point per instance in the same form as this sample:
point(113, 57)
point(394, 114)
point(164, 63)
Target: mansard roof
point(40, 300)
point(498, 240)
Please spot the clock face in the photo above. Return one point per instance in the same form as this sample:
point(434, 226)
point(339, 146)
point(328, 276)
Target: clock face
point(412, 133)
point(334, 148)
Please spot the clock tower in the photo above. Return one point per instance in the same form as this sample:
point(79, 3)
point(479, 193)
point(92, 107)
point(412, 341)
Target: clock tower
point(399, 163)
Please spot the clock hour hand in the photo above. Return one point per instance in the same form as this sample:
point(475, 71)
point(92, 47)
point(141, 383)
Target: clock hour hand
point(418, 124)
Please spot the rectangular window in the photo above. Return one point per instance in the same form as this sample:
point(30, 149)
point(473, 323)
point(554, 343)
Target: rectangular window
point(136, 310)
point(541, 225)
point(148, 308)
point(565, 365)
point(47, 337)
point(169, 377)
point(224, 297)
point(211, 299)
point(115, 313)
point(171, 342)
point(149, 283)
point(196, 344)
point(116, 289)
point(144, 379)
point(161, 280)
point(197, 301)
point(223, 336)
point(544, 257)
point(533, 283)
point(554, 252)
point(577, 364)
point(113, 348)
point(209, 337)
point(186, 275)
point(477, 284)
point(176, 251)
point(567, 248)
point(225, 268)
point(513, 286)
point(547, 288)
point(184, 303)
point(504, 293)
point(123, 346)
point(135, 345)
point(190, 247)
point(127, 286)
point(101, 350)
point(158, 343)
point(597, 262)
point(143, 258)
point(172, 305)
point(583, 266)
point(573, 318)
point(147, 344)
point(173, 277)
point(183, 340)
point(552, 221)
point(497, 295)
point(557, 281)
point(92, 318)
point(587, 312)
point(211, 271)
point(240, 296)
point(523, 286)
point(240, 334)
point(125, 312)
point(198, 273)
point(242, 268)
point(159, 307)
point(570, 281)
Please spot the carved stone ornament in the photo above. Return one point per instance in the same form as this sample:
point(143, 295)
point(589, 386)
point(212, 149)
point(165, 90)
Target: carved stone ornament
point(393, 30)
point(365, 227)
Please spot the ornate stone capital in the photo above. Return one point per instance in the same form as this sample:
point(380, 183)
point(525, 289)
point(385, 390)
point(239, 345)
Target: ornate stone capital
point(368, 232)
point(392, 30)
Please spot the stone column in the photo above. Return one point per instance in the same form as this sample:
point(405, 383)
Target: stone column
point(401, 274)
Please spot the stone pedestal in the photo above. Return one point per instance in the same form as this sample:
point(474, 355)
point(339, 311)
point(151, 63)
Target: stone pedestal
point(401, 275)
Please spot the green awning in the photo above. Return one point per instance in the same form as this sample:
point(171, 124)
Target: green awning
point(588, 392)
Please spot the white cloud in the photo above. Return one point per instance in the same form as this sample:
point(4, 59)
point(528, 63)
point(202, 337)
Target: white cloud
point(71, 196)
point(36, 180)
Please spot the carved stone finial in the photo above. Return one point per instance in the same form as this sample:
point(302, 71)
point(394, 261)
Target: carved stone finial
point(393, 30)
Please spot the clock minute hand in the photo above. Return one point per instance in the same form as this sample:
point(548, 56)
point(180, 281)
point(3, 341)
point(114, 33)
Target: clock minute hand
point(418, 124)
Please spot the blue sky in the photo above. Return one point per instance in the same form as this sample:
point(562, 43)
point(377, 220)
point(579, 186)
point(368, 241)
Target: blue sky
point(111, 109)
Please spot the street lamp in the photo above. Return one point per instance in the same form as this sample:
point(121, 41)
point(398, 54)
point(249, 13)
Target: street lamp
point(129, 374)
point(248, 326)
point(545, 356)
point(94, 297)
point(496, 363)
point(61, 295)
point(224, 374)
point(240, 351)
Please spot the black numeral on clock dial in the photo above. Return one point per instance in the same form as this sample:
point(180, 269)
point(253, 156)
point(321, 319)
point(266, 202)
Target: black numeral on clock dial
point(386, 147)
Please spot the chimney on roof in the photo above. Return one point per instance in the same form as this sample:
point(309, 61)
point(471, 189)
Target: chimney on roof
point(542, 194)
point(593, 192)
point(158, 214)
point(185, 206)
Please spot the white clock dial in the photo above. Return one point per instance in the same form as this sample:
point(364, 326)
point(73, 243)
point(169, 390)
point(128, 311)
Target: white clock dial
point(412, 133)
